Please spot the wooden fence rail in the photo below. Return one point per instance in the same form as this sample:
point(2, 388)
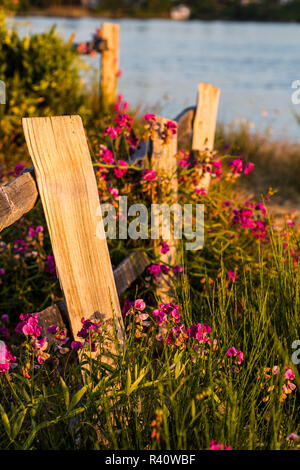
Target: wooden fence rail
point(64, 179)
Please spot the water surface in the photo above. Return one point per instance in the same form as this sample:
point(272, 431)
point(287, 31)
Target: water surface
point(254, 64)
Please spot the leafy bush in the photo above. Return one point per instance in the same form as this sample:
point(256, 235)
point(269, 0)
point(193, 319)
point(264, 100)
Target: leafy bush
point(42, 77)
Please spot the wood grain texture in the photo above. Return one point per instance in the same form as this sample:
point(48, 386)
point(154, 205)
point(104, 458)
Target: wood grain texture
point(204, 127)
point(50, 316)
point(129, 270)
point(68, 190)
point(109, 65)
point(185, 127)
point(164, 162)
point(205, 121)
point(17, 198)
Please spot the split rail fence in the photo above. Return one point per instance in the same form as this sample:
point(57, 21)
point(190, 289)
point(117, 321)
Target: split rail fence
point(63, 178)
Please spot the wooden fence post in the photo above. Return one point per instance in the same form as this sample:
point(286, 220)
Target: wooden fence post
point(109, 65)
point(164, 162)
point(68, 190)
point(205, 119)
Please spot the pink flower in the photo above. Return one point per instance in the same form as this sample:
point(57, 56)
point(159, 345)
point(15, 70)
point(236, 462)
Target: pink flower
point(119, 73)
point(2, 272)
point(290, 223)
point(75, 345)
point(201, 191)
point(119, 172)
point(214, 445)
point(149, 175)
point(237, 166)
point(232, 276)
point(6, 359)
point(111, 132)
point(248, 169)
point(232, 352)
point(106, 155)
point(275, 370)
point(150, 117)
point(177, 269)
point(50, 266)
point(114, 192)
point(289, 374)
point(34, 230)
point(164, 247)
point(19, 168)
point(294, 437)
point(140, 304)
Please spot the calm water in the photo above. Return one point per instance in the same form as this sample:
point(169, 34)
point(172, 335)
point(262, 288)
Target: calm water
point(254, 65)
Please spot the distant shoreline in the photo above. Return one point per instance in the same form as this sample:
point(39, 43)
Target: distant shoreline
point(78, 12)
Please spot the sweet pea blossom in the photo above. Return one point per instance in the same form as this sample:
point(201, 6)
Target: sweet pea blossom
point(149, 174)
point(140, 304)
point(150, 117)
point(232, 276)
point(235, 353)
point(289, 374)
point(111, 132)
point(7, 359)
point(119, 172)
point(215, 445)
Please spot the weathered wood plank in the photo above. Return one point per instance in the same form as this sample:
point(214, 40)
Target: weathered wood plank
point(204, 126)
point(164, 162)
point(125, 274)
point(68, 190)
point(16, 198)
point(110, 33)
point(128, 271)
point(185, 126)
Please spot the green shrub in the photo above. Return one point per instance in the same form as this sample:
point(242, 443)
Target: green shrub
point(42, 77)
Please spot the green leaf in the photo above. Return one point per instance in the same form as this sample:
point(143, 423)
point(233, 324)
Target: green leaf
point(65, 393)
point(5, 422)
point(77, 397)
point(18, 423)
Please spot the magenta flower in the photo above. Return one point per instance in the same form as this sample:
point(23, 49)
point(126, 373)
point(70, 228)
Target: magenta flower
point(50, 266)
point(248, 169)
point(19, 168)
point(237, 166)
point(34, 230)
point(106, 155)
point(75, 345)
point(111, 132)
point(164, 247)
point(232, 352)
point(289, 374)
point(119, 172)
point(149, 175)
point(2, 272)
point(113, 191)
point(177, 269)
point(140, 304)
point(214, 445)
point(232, 276)
point(150, 117)
point(6, 359)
